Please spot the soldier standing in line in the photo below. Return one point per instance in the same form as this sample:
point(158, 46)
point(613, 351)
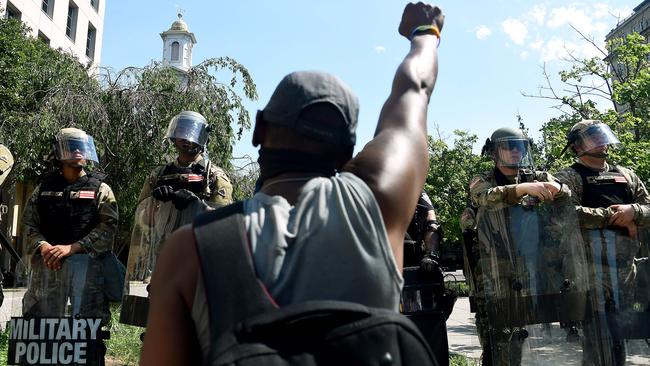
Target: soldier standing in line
point(70, 225)
point(613, 207)
point(172, 196)
point(506, 260)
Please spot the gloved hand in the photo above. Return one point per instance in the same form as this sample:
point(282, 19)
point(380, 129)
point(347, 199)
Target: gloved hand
point(431, 266)
point(182, 198)
point(163, 193)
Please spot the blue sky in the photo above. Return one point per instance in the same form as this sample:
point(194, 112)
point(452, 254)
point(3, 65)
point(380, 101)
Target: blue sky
point(490, 51)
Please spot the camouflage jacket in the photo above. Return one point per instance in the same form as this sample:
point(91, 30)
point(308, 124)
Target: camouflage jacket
point(593, 218)
point(484, 191)
point(99, 240)
point(219, 184)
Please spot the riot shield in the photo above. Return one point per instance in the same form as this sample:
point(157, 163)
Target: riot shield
point(619, 282)
point(153, 222)
point(63, 311)
point(535, 282)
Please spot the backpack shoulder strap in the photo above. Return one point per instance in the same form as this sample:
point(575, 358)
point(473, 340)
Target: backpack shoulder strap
point(232, 289)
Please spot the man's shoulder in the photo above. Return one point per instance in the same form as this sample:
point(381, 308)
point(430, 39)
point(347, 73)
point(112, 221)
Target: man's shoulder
point(480, 179)
point(219, 173)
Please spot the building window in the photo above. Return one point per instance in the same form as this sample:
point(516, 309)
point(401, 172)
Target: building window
point(43, 38)
point(12, 12)
point(71, 25)
point(90, 42)
point(48, 7)
point(95, 4)
point(175, 51)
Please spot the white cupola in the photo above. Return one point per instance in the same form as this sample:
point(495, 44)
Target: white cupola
point(177, 45)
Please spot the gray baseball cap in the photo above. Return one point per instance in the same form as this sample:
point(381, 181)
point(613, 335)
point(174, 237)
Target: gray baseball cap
point(301, 89)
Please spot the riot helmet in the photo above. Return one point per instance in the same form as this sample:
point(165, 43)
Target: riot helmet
point(509, 147)
point(189, 126)
point(74, 144)
point(591, 137)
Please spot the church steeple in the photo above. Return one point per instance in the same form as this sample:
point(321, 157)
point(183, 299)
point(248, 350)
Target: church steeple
point(177, 45)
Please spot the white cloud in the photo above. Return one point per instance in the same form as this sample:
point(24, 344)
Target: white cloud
point(544, 30)
point(380, 49)
point(482, 32)
point(515, 29)
point(537, 44)
point(538, 13)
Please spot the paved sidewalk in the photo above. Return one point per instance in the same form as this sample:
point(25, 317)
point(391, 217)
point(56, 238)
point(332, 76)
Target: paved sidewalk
point(461, 331)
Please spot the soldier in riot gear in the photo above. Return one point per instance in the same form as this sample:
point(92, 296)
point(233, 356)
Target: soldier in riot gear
point(613, 207)
point(423, 237)
point(506, 265)
point(191, 176)
point(70, 225)
point(173, 195)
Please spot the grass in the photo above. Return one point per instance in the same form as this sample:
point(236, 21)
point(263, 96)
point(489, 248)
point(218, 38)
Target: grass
point(459, 360)
point(124, 346)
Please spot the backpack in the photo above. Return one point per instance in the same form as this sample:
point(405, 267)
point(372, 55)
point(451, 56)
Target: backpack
point(248, 328)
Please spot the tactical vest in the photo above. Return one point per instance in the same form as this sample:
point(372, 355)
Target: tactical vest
point(194, 178)
point(602, 189)
point(68, 211)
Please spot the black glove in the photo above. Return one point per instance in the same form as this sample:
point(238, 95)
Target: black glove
point(163, 193)
point(182, 198)
point(431, 266)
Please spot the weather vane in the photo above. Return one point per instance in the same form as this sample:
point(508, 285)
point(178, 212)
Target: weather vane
point(180, 12)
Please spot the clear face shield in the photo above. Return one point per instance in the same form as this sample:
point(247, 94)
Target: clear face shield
point(595, 139)
point(189, 128)
point(75, 148)
point(514, 153)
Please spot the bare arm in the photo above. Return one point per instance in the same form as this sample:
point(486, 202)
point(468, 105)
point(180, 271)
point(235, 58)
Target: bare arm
point(395, 163)
point(171, 338)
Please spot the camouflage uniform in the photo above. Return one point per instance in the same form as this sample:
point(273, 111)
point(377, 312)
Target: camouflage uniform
point(596, 218)
point(598, 345)
point(486, 192)
point(217, 193)
point(80, 277)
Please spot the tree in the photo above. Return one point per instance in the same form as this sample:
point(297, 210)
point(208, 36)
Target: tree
point(127, 112)
point(621, 78)
point(450, 170)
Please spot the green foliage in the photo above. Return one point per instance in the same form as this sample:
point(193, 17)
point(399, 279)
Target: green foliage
point(125, 345)
point(450, 170)
point(456, 359)
point(625, 76)
point(127, 112)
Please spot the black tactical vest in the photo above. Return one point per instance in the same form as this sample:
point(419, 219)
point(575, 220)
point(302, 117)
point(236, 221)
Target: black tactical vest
point(68, 212)
point(602, 189)
point(194, 178)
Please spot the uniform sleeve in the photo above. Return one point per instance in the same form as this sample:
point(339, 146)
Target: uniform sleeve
point(590, 218)
point(31, 223)
point(641, 201)
point(101, 238)
point(484, 194)
point(147, 186)
point(564, 192)
point(221, 194)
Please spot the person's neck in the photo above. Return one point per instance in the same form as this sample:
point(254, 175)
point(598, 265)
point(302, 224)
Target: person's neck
point(593, 162)
point(287, 185)
point(187, 159)
point(508, 172)
point(71, 175)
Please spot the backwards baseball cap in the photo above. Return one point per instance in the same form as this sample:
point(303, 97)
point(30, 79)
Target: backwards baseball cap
point(302, 89)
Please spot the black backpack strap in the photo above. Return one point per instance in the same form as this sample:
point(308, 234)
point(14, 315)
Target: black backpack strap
point(232, 289)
